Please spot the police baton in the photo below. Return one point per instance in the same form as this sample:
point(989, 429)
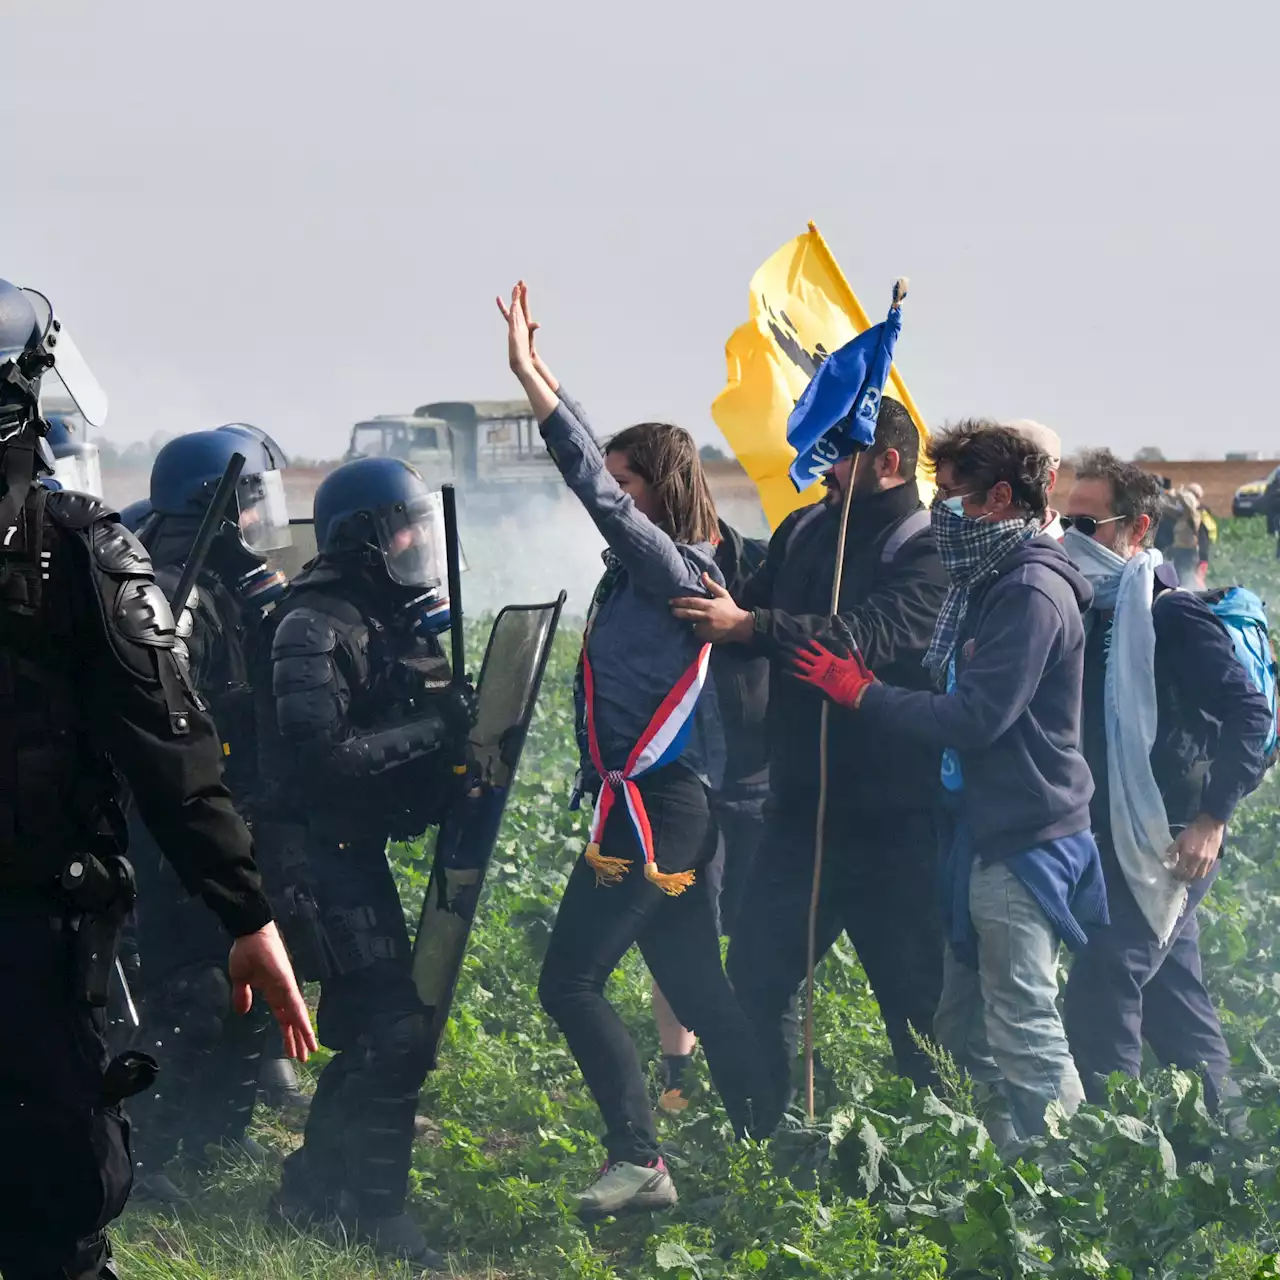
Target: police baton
point(209, 527)
point(453, 558)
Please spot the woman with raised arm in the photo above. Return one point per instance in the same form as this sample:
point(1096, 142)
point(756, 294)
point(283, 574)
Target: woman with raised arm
point(651, 744)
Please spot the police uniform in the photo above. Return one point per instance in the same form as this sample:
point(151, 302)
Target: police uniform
point(89, 684)
point(359, 730)
point(209, 1055)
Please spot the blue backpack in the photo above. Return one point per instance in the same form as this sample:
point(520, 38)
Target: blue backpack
point(1245, 618)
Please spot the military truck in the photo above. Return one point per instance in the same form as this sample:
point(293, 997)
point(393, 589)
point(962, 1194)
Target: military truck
point(485, 447)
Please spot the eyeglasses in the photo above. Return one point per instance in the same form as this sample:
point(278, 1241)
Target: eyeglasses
point(1087, 524)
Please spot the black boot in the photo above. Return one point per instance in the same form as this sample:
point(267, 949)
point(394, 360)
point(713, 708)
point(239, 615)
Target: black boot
point(397, 1238)
point(278, 1082)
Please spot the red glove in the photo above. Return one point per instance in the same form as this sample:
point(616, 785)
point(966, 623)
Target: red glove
point(843, 679)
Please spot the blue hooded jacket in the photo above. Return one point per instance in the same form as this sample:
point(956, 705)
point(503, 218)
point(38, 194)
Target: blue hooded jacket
point(1014, 714)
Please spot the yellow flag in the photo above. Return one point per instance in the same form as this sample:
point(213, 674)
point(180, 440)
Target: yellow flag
point(802, 309)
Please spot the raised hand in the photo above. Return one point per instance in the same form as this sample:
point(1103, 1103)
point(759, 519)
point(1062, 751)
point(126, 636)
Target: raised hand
point(538, 363)
point(519, 336)
point(534, 376)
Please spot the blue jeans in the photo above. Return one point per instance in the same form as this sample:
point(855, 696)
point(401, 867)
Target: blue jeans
point(1000, 1022)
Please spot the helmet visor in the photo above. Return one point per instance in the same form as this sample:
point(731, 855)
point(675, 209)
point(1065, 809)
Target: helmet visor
point(411, 538)
point(68, 363)
point(81, 470)
point(264, 513)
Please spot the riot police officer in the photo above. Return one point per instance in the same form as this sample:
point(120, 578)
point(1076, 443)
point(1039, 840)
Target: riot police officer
point(211, 1058)
point(89, 684)
point(360, 740)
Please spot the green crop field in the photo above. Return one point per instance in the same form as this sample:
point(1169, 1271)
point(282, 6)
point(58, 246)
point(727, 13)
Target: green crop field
point(891, 1183)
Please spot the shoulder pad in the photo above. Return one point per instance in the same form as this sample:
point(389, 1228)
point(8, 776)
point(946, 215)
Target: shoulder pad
point(141, 613)
point(118, 552)
point(76, 510)
point(303, 631)
point(167, 578)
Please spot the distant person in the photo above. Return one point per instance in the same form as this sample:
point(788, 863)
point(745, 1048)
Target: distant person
point(642, 879)
point(1021, 871)
point(1208, 529)
point(1179, 534)
point(1154, 657)
point(1049, 442)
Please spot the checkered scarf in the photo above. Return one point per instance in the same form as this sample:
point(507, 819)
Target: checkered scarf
point(970, 550)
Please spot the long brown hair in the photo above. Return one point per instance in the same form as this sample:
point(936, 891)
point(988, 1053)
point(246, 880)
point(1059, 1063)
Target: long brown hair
point(666, 458)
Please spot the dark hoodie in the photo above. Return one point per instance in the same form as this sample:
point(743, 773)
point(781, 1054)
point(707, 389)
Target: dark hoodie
point(1014, 714)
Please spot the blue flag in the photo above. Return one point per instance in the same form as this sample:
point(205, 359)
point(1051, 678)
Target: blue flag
point(837, 412)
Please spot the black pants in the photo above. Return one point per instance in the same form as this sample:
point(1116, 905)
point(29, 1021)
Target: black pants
point(1125, 988)
point(594, 929)
point(209, 1055)
point(740, 820)
point(66, 1167)
point(359, 1137)
point(878, 885)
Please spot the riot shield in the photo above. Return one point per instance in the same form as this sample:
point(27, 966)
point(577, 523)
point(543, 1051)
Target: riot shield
point(510, 676)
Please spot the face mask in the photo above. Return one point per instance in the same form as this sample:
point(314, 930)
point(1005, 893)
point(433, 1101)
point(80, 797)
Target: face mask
point(1100, 565)
point(955, 504)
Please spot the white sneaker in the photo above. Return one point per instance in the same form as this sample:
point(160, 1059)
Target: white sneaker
point(628, 1188)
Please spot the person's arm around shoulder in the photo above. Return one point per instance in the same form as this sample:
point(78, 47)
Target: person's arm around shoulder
point(748, 619)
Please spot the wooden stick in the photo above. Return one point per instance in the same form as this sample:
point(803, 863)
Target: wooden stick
point(837, 579)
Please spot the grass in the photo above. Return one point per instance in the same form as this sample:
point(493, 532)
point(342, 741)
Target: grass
point(888, 1183)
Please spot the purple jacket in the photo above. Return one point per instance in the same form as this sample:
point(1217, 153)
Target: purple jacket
point(1014, 714)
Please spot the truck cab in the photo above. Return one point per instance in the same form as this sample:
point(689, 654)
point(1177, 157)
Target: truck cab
point(482, 446)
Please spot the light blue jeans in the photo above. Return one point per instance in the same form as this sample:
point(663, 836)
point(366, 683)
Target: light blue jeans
point(1001, 1022)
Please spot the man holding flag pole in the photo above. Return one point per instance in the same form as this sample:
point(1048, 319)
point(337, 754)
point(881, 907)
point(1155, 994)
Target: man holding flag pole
point(839, 797)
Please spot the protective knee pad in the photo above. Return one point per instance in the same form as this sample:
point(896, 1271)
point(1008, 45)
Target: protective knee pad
point(397, 1050)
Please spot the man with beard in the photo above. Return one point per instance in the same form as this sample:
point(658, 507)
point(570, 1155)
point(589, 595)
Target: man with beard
point(880, 840)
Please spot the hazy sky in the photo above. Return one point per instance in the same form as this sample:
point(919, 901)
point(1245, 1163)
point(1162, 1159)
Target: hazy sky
point(298, 213)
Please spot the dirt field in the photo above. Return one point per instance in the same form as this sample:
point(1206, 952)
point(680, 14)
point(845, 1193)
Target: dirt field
point(736, 494)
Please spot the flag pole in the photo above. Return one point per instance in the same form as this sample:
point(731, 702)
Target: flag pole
point(819, 832)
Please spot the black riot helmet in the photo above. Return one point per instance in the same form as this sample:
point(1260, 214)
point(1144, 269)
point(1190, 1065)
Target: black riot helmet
point(33, 344)
point(379, 513)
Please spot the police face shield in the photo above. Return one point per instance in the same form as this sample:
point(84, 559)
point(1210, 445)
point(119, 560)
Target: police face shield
point(411, 539)
point(264, 514)
point(68, 364)
point(80, 471)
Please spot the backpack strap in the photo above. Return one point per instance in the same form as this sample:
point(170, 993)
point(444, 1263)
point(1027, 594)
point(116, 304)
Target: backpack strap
point(911, 526)
point(808, 518)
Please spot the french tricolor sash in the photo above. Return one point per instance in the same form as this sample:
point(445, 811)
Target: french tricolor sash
point(662, 742)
